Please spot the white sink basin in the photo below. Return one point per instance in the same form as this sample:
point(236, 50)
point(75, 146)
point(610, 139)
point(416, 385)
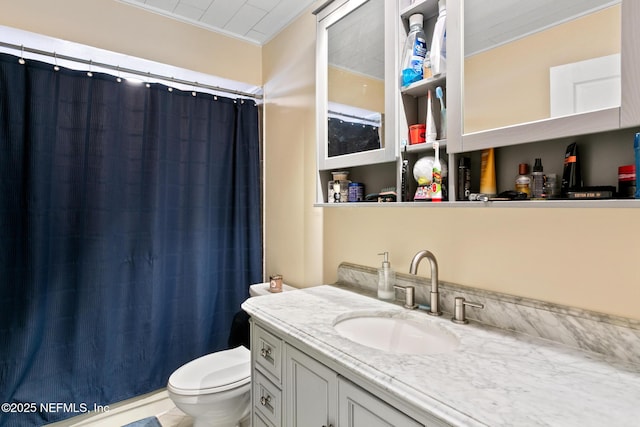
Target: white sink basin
point(397, 335)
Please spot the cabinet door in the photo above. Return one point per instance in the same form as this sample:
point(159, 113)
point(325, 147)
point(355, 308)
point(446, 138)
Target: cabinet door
point(310, 391)
point(357, 408)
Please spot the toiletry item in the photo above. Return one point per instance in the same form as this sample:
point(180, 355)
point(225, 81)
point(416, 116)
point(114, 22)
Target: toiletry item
point(338, 188)
point(479, 197)
point(386, 279)
point(436, 180)
point(636, 149)
point(537, 180)
point(464, 179)
point(593, 192)
point(423, 174)
point(488, 172)
point(417, 134)
point(438, 53)
point(523, 180)
point(404, 194)
point(275, 283)
point(431, 132)
point(443, 113)
point(414, 53)
point(551, 186)
point(340, 175)
point(571, 176)
point(356, 192)
point(627, 182)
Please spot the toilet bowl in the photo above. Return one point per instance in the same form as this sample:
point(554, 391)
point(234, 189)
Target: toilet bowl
point(215, 389)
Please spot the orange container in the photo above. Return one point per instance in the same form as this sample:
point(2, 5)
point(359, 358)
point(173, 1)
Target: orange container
point(417, 134)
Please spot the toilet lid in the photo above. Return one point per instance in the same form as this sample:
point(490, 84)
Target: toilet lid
point(212, 373)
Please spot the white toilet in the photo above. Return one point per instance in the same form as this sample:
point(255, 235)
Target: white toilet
point(215, 389)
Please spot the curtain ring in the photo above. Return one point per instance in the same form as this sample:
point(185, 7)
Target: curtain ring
point(55, 62)
point(193, 89)
point(89, 73)
point(21, 61)
point(118, 78)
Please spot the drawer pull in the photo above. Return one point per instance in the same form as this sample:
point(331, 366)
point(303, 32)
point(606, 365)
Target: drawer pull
point(265, 400)
point(265, 352)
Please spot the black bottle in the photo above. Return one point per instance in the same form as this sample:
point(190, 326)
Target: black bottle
point(463, 189)
point(571, 176)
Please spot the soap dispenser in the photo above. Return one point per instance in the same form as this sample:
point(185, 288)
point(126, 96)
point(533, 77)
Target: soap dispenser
point(386, 279)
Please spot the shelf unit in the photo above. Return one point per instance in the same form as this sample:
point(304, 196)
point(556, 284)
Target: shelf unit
point(605, 137)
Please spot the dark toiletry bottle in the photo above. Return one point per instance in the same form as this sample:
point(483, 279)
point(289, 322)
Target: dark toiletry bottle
point(571, 176)
point(523, 180)
point(537, 180)
point(464, 179)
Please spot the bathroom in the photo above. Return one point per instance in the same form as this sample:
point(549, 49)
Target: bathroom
point(584, 258)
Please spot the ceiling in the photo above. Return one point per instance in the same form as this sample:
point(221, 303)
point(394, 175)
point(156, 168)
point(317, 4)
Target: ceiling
point(256, 21)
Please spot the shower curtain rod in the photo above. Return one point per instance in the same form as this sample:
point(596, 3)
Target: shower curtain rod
point(92, 63)
point(350, 116)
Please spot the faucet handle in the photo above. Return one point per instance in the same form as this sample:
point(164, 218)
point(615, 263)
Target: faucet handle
point(459, 310)
point(409, 296)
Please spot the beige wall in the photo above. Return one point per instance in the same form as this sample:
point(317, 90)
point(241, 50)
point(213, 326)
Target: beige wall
point(293, 227)
point(356, 90)
point(517, 74)
point(115, 26)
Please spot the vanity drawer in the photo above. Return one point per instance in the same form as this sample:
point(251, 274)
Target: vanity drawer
point(267, 399)
point(267, 352)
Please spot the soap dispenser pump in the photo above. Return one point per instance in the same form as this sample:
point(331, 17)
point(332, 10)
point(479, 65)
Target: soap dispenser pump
point(386, 279)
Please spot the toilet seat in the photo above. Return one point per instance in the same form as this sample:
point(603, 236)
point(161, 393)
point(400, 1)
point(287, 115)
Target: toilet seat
point(212, 373)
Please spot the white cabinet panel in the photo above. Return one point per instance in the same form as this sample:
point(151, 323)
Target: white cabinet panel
point(310, 390)
point(357, 408)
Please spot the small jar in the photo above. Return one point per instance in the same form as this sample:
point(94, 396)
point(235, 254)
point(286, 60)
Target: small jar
point(552, 186)
point(275, 283)
point(356, 192)
point(627, 181)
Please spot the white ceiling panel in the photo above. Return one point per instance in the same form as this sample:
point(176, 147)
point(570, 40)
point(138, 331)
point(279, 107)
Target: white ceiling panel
point(256, 21)
point(264, 4)
point(188, 11)
point(200, 4)
point(243, 21)
point(167, 5)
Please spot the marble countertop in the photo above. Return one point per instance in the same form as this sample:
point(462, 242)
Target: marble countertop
point(494, 378)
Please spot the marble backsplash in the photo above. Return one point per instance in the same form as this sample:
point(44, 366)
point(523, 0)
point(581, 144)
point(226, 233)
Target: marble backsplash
point(615, 337)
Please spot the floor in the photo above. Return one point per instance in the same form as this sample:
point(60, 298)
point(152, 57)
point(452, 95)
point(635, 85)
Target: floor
point(152, 404)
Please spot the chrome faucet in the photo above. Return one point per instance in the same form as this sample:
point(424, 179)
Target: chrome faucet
point(434, 309)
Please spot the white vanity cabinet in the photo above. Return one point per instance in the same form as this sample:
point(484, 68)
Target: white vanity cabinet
point(307, 392)
point(310, 391)
point(360, 409)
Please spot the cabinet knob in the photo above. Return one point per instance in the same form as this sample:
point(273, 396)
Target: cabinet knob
point(265, 400)
point(265, 352)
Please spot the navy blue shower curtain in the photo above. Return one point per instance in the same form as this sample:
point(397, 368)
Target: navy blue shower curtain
point(130, 230)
